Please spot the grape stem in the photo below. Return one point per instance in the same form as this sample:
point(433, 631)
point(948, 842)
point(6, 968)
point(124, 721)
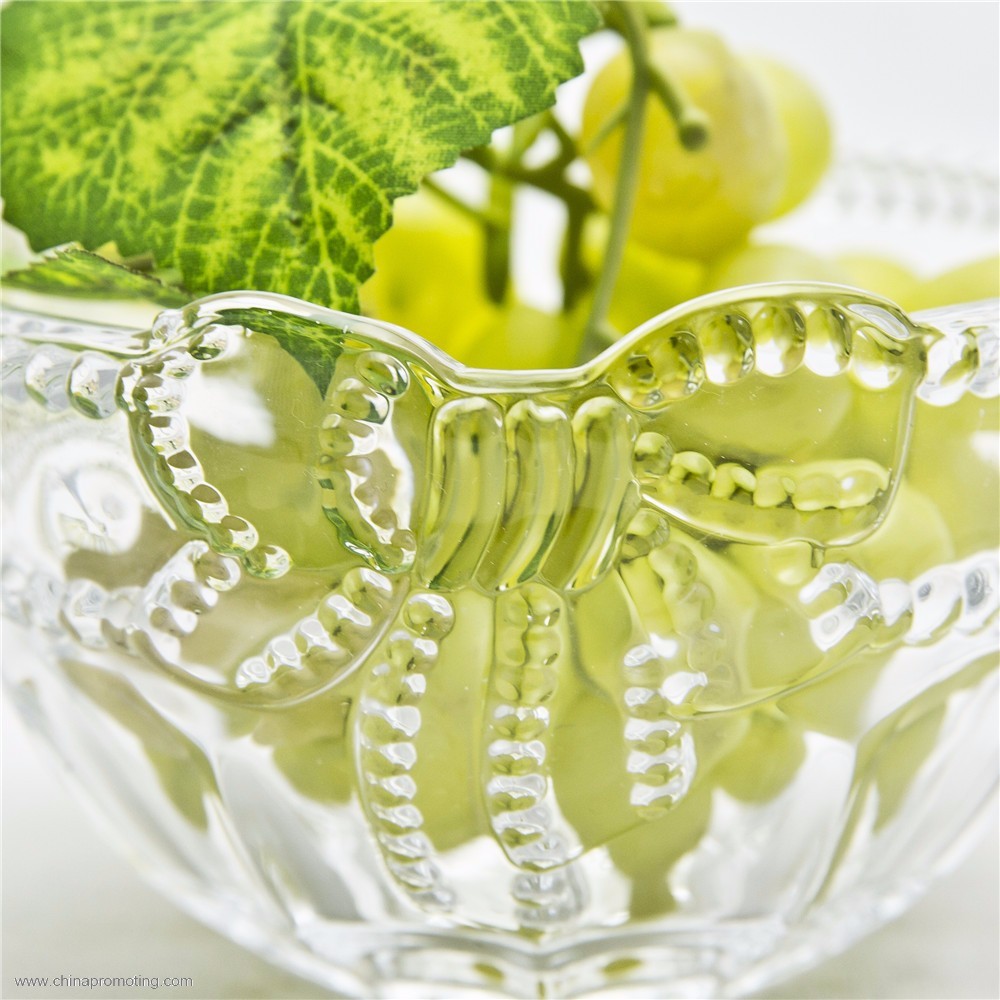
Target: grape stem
point(500, 208)
point(633, 29)
point(500, 211)
point(692, 124)
point(567, 146)
point(548, 177)
point(506, 168)
point(449, 198)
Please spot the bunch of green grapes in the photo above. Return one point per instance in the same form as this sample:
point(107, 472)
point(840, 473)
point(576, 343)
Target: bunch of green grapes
point(770, 143)
point(729, 142)
point(430, 278)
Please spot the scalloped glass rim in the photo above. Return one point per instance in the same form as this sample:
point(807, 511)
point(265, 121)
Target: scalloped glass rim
point(445, 365)
point(548, 378)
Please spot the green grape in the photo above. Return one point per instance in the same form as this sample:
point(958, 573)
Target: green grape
point(590, 737)
point(791, 415)
point(780, 569)
point(452, 807)
point(805, 126)
point(588, 741)
point(646, 854)
point(691, 203)
point(779, 647)
point(649, 282)
point(968, 283)
point(429, 275)
point(765, 761)
point(184, 772)
point(953, 462)
point(901, 756)
point(312, 744)
point(881, 276)
point(447, 771)
point(519, 336)
point(894, 549)
point(760, 262)
point(445, 300)
point(321, 769)
point(834, 704)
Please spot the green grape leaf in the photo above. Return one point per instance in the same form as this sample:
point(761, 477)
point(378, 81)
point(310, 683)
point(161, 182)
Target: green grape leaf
point(259, 144)
point(314, 345)
point(72, 271)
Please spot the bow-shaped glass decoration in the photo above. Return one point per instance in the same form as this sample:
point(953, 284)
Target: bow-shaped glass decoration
point(712, 514)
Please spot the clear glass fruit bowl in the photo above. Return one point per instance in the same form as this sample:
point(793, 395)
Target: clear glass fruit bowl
point(667, 675)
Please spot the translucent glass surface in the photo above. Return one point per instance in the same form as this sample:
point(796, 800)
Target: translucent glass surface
point(663, 676)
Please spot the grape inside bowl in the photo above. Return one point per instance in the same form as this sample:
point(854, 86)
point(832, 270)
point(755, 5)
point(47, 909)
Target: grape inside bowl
point(507, 681)
point(545, 658)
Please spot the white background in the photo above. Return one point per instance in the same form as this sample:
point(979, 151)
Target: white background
point(913, 78)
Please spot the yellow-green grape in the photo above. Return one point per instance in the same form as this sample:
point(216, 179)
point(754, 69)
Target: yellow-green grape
point(184, 772)
point(429, 274)
point(761, 262)
point(901, 757)
point(690, 203)
point(794, 414)
point(766, 760)
point(805, 126)
point(590, 735)
point(895, 550)
point(882, 276)
point(834, 704)
point(321, 769)
point(646, 854)
point(649, 282)
point(589, 740)
point(604, 623)
point(519, 336)
point(447, 771)
point(312, 744)
point(953, 462)
point(778, 570)
point(779, 648)
point(968, 283)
